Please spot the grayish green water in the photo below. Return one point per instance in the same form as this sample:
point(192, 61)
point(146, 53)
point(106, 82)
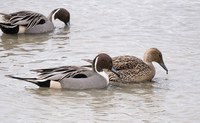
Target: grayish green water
point(116, 27)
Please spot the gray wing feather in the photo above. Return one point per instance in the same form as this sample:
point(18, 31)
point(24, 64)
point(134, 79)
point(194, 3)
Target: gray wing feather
point(59, 73)
point(24, 18)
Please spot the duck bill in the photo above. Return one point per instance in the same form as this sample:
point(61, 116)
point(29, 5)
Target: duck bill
point(164, 67)
point(115, 71)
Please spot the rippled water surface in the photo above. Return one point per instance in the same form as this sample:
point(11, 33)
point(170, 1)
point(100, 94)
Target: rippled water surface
point(116, 27)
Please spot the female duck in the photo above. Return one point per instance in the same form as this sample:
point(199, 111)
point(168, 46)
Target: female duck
point(32, 22)
point(132, 69)
point(72, 77)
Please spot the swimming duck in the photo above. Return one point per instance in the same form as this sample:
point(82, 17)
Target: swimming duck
point(132, 69)
point(32, 22)
point(73, 77)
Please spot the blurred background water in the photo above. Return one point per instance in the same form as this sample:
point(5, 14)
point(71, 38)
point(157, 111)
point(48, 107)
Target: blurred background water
point(115, 27)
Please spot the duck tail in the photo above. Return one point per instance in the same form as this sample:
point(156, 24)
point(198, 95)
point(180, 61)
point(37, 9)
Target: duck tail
point(7, 25)
point(4, 21)
point(87, 60)
point(87, 66)
point(40, 83)
point(4, 17)
point(9, 28)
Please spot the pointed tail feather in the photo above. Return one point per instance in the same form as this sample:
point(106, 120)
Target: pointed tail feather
point(41, 83)
point(32, 80)
point(4, 17)
point(87, 60)
point(87, 66)
point(4, 14)
point(4, 21)
point(7, 25)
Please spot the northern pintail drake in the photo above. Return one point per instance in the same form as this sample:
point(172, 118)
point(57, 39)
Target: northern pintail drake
point(73, 77)
point(133, 70)
point(32, 22)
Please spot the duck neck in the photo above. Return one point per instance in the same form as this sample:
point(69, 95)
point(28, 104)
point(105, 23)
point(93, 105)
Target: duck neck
point(150, 64)
point(51, 16)
point(99, 71)
point(104, 75)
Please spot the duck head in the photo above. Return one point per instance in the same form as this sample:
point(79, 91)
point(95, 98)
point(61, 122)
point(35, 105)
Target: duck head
point(154, 55)
point(61, 14)
point(103, 61)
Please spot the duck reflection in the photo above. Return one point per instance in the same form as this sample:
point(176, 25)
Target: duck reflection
point(13, 41)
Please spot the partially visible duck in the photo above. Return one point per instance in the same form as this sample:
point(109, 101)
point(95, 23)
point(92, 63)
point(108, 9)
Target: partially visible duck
point(32, 22)
point(73, 77)
point(132, 69)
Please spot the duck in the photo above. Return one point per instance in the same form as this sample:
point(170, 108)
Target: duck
point(74, 77)
point(32, 22)
point(135, 70)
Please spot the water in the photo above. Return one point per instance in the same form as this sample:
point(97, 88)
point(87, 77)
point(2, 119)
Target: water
point(116, 27)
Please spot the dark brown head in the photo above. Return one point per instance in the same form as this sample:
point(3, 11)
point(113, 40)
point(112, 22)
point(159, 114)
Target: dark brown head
point(103, 61)
point(61, 14)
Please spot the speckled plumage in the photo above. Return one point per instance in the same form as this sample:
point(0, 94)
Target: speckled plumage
point(132, 69)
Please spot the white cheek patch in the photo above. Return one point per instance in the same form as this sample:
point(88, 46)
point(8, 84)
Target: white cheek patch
point(55, 84)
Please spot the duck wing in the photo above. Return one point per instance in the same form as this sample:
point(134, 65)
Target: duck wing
point(23, 18)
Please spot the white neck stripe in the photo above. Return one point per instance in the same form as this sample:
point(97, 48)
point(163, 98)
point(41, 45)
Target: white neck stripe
point(95, 64)
point(53, 15)
point(103, 74)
